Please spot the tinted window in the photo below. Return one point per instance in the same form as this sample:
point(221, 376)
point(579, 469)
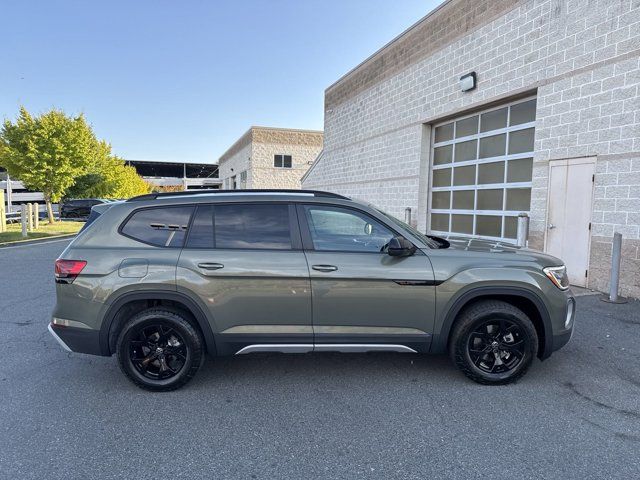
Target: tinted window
point(201, 231)
point(164, 227)
point(252, 226)
point(282, 161)
point(334, 228)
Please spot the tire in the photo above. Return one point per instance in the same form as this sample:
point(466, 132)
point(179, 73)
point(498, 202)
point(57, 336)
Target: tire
point(159, 350)
point(479, 328)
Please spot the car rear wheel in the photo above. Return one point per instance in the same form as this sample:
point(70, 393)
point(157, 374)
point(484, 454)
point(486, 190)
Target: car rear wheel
point(493, 342)
point(159, 350)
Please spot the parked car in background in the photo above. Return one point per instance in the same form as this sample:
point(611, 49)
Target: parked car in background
point(79, 208)
point(161, 279)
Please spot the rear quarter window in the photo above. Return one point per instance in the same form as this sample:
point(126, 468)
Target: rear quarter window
point(161, 226)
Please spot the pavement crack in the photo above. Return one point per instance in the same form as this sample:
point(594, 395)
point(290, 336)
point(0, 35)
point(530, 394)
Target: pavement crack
point(620, 435)
point(621, 411)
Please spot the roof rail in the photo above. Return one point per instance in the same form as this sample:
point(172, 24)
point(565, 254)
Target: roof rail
point(154, 196)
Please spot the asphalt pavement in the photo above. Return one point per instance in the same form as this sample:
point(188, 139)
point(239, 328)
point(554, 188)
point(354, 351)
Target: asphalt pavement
point(264, 416)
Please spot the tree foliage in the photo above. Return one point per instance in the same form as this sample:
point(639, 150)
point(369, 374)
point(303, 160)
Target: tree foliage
point(60, 156)
point(109, 177)
point(47, 153)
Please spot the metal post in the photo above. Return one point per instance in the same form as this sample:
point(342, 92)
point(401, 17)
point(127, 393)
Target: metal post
point(184, 177)
point(23, 220)
point(407, 215)
point(523, 230)
point(614, 282)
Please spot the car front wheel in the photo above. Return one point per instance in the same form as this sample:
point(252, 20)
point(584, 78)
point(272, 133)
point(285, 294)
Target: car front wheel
point(493, 342)
point(159, 350)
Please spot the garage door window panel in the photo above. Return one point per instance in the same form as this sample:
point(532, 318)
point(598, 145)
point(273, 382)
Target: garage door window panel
point(482, 171)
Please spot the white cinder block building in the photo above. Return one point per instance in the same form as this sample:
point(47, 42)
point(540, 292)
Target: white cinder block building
point(551, 128)
point(266, 157)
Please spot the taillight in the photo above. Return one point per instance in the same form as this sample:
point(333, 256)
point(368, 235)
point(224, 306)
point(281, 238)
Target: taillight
point(68, 270)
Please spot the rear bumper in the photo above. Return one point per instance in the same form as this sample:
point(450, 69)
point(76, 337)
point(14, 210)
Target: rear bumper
point(73, 339)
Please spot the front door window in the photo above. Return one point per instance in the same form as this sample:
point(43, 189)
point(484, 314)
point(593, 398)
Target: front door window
point(345, 230)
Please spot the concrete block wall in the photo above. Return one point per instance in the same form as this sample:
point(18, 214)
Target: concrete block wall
point(303, 146)
point(580, 57)
point(254, 153)
point(236, 160)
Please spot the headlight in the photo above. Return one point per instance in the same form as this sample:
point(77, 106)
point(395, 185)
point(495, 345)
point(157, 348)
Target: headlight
point(558, 275)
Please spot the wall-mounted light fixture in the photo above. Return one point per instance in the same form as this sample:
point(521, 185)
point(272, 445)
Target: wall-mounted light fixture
point(468, 82)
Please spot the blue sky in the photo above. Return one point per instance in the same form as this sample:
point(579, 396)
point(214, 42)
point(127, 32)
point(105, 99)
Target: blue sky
point(182, 80)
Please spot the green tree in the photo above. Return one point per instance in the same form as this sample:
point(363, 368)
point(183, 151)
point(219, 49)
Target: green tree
point(109, 177)
point(48, 152)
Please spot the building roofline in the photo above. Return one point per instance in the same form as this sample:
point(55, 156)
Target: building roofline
point(284, 129)
point(313, 165)
point(247, 136)
point(170, 161)
point(442, 27)
point(243, 138)
point(390, 43)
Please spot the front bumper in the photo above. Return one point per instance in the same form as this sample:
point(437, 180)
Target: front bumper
point(561, 338)
point(74, 339)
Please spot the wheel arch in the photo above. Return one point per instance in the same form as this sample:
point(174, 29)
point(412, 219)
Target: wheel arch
point(131, 303)
point(526, 300)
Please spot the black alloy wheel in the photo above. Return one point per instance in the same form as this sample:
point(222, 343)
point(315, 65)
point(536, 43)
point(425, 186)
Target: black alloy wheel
point(160, 349)
point(497, 346)
point(157, 352)
point(493, 342)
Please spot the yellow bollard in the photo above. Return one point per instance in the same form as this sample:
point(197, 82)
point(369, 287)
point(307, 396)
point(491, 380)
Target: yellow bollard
point(29, 217)
point(36, 216)
point(3, 213)
point(23, 220)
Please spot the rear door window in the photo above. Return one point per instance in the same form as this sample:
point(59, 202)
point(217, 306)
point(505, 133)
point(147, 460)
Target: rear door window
point(254, 226)
point(163, 227)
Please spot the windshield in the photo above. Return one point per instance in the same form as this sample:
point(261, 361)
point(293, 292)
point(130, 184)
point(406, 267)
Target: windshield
point(431, 242)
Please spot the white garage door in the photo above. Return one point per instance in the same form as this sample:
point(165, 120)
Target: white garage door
point(481, 168)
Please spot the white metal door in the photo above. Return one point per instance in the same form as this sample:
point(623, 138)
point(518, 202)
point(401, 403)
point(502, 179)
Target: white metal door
point(569, 218)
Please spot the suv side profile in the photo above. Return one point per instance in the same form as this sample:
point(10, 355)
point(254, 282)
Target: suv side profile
point(163, 279)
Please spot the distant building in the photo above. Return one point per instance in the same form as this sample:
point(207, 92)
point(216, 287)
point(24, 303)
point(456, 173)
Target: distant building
point(267, 157)
point(190, 176)
point(15, 192)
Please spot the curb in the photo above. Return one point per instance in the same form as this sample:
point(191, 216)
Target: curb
point(37, 240)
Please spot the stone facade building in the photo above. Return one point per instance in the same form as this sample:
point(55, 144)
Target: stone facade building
point(269, 158)
point(552, 128)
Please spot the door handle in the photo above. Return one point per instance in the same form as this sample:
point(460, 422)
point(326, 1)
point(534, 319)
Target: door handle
point(325, 268)
point(210, 266)
point(551, 225)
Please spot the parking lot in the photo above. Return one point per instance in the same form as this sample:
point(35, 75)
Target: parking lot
point(576, 415)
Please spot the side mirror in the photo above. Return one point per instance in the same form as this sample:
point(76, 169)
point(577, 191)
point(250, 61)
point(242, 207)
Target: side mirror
point(400, 247)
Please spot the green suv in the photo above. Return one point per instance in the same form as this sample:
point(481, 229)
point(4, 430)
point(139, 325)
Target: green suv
point(162, 279)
